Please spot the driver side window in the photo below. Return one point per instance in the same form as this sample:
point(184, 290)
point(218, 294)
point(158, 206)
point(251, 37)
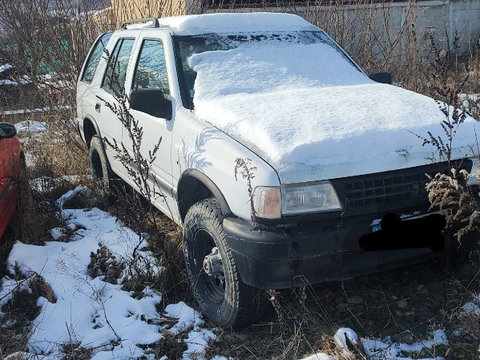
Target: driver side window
point(151, 70)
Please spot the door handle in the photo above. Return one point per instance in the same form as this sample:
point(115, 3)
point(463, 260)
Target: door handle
point(97, 107)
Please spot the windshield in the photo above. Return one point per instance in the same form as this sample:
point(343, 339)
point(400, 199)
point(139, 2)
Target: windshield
point(268, 53)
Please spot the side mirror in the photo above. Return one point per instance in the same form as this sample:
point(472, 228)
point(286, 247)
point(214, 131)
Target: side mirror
point(152, 102)
point(381, 77)
point(7, 131)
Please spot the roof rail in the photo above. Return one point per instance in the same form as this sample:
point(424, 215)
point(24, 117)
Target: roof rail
point(154, 23)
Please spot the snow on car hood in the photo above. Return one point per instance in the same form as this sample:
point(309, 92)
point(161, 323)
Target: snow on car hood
point(312, 114)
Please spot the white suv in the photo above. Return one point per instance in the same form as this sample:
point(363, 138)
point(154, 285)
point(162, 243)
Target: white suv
point(278, 155)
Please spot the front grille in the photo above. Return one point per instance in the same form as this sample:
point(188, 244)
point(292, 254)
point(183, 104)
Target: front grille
point(384, 190)
point(390, 189)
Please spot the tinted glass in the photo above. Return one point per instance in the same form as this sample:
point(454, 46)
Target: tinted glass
point(95, 57)
point(151, 71)
point(114, 79)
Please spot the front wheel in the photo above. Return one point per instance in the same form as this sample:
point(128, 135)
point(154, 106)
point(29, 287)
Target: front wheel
point(211, 269)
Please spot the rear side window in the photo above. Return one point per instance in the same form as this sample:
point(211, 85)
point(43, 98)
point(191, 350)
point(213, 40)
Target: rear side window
point(114, 78)
point(151, 71)
point(95, 57)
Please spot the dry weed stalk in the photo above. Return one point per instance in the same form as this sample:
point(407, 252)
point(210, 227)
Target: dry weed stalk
point(458, 202)
point(242, 167)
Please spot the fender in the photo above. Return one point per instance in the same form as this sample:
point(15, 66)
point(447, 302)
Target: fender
point(209, 184)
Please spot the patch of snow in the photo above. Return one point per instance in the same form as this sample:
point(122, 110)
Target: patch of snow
point(25, 79)
point(310, 113)
point(345, 336)
point(188, 318)
point(5, 67)
point(57, 233)
point(319, 356)
point(469, 98)
point(24, 111)
point(125, 350)
point(46, 183)
point(140, 26)
point(8, 82)
point(30, 126)
point(42, 184)
point(457, 332)
point(22, 355)
point(29, 111)
point(71, 193)
point(235, 23)
point(471, 308)
point(376, 349)
point(8, 286)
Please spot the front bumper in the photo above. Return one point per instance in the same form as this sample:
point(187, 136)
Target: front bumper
point(325, 247)
point(279, 257)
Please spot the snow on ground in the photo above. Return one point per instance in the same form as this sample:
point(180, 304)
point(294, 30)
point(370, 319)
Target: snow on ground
point(103, 317)
point(312, 114)
point(345, 338)
point(5, 67)
point(30, 126)
point(46, 183)
point(386, 349)
point(319, 356)
point(30, 111)
point(88, 310)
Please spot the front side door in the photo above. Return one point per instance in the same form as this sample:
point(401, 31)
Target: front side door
point(151, 78)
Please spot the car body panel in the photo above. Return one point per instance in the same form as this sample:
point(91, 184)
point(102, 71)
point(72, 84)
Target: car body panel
point(10, 150)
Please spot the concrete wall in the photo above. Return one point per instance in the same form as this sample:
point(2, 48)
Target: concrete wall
point(454, 24)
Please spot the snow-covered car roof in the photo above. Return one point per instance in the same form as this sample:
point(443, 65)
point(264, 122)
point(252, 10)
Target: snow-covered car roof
point(234, 23)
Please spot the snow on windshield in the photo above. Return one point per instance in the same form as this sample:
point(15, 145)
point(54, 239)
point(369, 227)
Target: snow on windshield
point(309, 106)
point(271, 67)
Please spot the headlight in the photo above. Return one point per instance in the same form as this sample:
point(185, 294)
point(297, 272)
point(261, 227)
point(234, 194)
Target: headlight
point(273, 202)
point(317, 197)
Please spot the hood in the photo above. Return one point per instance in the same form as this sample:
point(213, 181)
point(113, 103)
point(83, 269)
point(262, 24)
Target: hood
point(312, 127)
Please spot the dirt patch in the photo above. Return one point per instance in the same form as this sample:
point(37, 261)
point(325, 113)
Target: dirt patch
point(406, 304)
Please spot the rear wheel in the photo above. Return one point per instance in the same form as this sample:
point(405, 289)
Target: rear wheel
point(212, 272)
point(99, 162)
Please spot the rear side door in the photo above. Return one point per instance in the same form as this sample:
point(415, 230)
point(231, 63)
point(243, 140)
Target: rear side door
point(90, 80)
point(153, 75)
point(107, 99)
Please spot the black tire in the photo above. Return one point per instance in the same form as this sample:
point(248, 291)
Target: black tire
point(231, 303)
point(99, 163)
